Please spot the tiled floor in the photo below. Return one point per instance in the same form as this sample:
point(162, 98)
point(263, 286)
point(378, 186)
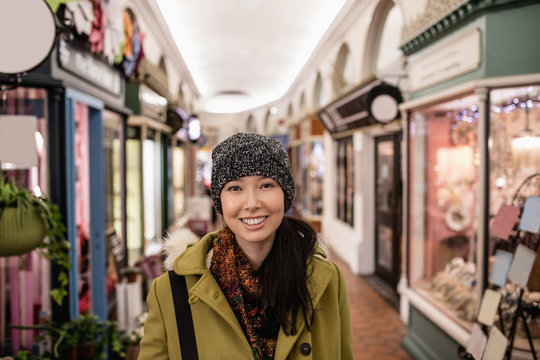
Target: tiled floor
point(376, 328)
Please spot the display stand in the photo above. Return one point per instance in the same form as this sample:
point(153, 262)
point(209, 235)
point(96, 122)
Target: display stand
point(498, 342)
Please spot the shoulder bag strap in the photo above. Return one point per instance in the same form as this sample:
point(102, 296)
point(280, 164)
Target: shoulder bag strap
point(184, 320)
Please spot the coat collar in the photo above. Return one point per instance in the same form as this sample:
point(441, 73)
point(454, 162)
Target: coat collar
point(193, 261)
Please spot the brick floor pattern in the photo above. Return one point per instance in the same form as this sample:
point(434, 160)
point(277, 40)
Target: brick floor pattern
point(377, 330)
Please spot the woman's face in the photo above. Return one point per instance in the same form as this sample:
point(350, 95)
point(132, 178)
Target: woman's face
point(253, 207)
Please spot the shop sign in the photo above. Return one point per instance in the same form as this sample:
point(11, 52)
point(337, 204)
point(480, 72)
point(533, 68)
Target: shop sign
point(18, 147)
point(24, 46)
point(457, 57)
point(86, 66)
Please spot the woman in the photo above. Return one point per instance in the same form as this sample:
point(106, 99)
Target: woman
point(260, 288)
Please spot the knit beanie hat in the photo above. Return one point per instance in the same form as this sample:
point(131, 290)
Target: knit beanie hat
point(247, 154)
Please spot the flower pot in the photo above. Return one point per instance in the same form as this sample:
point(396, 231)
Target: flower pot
point(18, 237)
point(132, 352)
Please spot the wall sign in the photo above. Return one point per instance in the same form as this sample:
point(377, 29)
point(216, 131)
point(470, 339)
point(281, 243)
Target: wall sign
point(457, 57)
point(18, 148)
point(86, 66)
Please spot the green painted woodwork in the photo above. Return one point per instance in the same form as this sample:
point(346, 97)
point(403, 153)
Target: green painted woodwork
point(509, 45)
point(132, 97)
point(427, 341)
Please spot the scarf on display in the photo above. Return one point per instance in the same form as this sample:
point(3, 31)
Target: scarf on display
point(237, 280)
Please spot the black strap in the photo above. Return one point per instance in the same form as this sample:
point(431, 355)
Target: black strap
point(184, 320)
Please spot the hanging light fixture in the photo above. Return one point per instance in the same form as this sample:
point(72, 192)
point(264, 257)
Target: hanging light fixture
point(526, 144)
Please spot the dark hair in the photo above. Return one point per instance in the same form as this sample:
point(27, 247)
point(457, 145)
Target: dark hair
point(284, 274)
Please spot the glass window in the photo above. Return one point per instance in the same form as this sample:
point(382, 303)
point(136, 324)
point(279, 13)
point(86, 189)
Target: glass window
point(113, 149)
point(134, 219)
point(443, 161)
point(514, 143)
point(344, 180)
point(178, 176)
point(514, 146)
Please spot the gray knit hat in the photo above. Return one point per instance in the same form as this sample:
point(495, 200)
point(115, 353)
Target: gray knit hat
point(247, 154)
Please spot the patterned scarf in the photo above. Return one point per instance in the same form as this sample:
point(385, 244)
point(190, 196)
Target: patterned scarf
point(236, 278)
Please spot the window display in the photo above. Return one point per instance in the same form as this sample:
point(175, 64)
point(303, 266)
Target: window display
point(514, 143)
point(514, 185)
point(309, 177)
point(444, 158)
point(444, 225)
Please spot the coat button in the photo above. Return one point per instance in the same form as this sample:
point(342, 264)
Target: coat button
point(193, 299)
point(305, 349)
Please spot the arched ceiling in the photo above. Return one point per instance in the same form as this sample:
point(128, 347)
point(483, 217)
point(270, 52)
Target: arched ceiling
point(246, 53)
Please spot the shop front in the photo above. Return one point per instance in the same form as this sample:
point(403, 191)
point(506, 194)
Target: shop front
point(94, 129)
point(76, 100)
point(473, 156)
point(367, 157)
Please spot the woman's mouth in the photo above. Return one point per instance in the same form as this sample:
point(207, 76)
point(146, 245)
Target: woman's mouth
point(254, 221)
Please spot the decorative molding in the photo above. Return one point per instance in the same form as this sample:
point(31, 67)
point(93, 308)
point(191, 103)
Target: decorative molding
point(441, 16)
point(435, 11)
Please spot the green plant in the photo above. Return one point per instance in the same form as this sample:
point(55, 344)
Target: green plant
point(56, 248)
point(87, 333)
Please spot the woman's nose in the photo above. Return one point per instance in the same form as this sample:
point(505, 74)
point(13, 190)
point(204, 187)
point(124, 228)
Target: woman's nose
point(252, 200)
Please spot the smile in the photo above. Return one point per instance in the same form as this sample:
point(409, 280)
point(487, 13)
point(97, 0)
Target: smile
point(254, 221)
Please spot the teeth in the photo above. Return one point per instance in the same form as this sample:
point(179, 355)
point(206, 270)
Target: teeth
point(254, 221)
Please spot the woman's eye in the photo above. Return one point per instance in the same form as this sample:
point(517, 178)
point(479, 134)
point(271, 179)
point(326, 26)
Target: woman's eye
point(233, 188)
point(267, 186)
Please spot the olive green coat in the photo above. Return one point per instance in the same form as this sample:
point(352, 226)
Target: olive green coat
point(218, 333)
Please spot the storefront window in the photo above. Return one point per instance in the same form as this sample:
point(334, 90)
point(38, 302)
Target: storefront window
point(515, 160)
point(316, 175)
point(134, 219)
point(443, 163)
point(178, 178)
point(514, 143)
point(112, 143)
point(344, 180)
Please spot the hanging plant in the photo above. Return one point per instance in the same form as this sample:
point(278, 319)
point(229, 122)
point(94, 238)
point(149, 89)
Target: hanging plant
point(28, 222)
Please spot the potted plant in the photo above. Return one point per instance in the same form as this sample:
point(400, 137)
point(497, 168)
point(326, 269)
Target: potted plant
point(28, 222)
point(131, 340)
point(82, 338)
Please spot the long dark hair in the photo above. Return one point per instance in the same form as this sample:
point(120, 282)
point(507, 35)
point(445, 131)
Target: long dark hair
point(284, 274)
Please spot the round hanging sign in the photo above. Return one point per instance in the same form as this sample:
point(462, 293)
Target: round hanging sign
point(27, 33)
point(383, 103)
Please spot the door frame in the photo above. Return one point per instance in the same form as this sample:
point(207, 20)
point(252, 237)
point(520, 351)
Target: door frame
point(390, 277)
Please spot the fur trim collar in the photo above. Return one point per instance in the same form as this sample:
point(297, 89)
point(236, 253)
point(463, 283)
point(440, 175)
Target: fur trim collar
point(175, 244)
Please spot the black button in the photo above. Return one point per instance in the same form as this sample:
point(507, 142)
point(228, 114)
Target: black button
point(305, 348)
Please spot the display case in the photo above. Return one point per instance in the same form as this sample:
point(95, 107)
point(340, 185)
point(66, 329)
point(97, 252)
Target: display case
point(306, 152)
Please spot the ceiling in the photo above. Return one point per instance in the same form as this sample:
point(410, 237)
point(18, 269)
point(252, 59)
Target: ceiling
point(246, 53)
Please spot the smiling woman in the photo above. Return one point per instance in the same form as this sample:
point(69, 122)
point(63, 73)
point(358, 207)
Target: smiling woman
point(261, 285)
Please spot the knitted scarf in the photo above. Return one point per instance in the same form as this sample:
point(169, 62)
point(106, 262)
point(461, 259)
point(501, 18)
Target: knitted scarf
point(237, 280)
